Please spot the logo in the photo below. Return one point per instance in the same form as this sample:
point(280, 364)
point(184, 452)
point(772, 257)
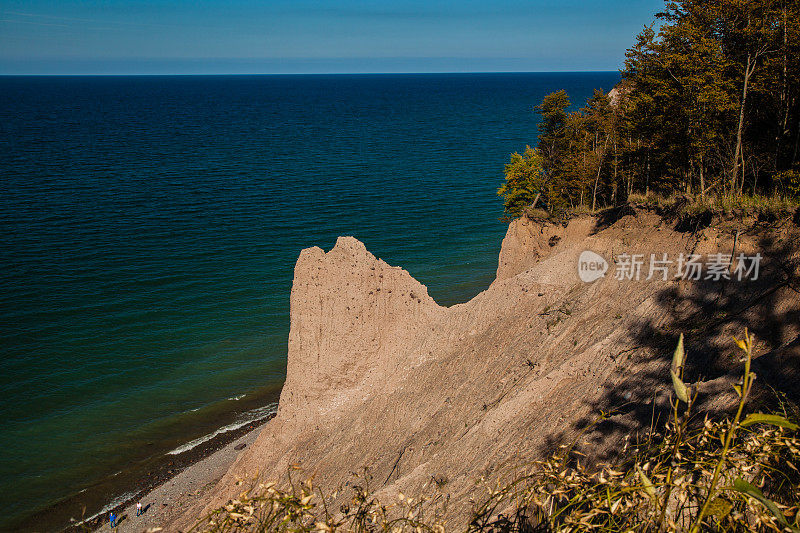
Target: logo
point(636, 267)
point(591, 266)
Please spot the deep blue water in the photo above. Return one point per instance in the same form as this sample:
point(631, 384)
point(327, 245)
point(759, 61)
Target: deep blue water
point(149, 228)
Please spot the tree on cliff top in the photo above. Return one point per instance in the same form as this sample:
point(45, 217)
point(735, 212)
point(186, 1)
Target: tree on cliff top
point(709, 103)
point(524, 181)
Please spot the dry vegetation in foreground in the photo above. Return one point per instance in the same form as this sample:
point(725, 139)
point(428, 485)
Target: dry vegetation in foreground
point(685, 206)
point(739, 474)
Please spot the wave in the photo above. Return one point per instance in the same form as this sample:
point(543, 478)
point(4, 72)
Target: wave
point(256, 415)
point(119, 500)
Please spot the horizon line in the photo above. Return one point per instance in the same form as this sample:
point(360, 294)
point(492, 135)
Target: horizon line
point(386, 73)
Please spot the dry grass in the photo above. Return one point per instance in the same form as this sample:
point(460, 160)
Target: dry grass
point(736, 474)
point(765, 207)
point(302, 507)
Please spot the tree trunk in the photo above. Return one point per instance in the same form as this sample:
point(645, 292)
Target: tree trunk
point(596, 181)
point(796, 144)
point(741, 185)
point(533, 205)
point(597, 177)
point(616, 162)
point(737, 152)
point(702, 180)
point(784, 91)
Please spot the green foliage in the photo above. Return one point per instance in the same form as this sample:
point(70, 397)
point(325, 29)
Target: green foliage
point(552, 128)
point(709, 104)
point(524, 181)
point(790, 179)
point(775, 420)
point(754, 492)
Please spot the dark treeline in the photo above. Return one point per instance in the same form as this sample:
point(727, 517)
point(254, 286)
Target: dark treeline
point(709, 104)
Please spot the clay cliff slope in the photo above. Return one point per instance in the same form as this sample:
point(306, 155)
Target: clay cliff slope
point(431, 399)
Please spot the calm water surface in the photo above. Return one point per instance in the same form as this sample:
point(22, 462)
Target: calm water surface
point(149, 228)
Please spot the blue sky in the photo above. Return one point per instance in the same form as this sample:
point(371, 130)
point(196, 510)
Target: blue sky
point(304, 36)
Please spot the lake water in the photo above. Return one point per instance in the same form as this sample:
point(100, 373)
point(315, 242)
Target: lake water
point(149, 228)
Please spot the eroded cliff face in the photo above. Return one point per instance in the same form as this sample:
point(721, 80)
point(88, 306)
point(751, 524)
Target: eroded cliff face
point(528, 241)
point(430, 399)
point(355, 323)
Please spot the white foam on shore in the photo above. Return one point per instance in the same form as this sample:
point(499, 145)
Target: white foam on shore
point(119, 500)
point(249, 417)
point(237, 397)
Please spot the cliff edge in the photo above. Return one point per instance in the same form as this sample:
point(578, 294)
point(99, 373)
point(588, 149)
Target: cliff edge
point(431, 398)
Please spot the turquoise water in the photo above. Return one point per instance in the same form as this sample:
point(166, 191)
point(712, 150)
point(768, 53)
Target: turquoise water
point(149, 228)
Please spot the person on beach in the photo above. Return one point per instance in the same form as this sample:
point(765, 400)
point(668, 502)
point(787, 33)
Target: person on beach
point(112, 518)
point(138, 508)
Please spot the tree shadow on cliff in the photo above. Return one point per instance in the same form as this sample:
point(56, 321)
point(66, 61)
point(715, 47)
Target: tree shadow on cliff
point(524, 520)
point(708, 313)
point(608, 217)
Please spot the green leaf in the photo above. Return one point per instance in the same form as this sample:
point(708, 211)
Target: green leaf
point(751, 490)
point(741, 344)
point(738, 389)
point(719, 507)
point(775, 420)
point(678, 356)
point(680, 387)
point(648, 485)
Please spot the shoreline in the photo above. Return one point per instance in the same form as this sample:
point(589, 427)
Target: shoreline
point(89, 508)
point(165, 500)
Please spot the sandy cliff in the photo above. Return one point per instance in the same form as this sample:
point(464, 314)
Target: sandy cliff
point(381, 376)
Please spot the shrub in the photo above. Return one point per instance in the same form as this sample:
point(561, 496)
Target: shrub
point(735, 474)
point(739, 474)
